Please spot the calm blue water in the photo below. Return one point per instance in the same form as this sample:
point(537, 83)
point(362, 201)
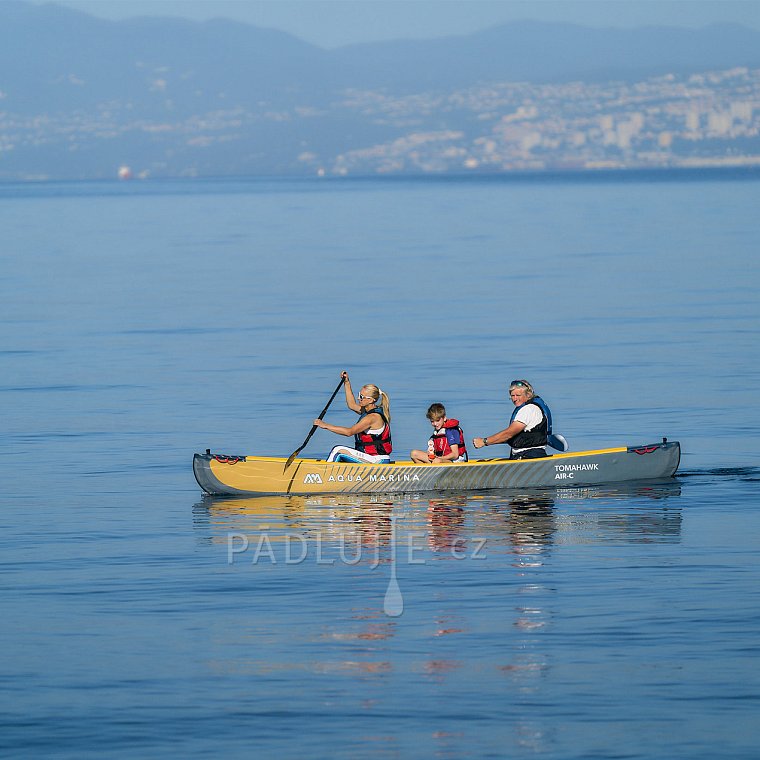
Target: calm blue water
point(141, 323)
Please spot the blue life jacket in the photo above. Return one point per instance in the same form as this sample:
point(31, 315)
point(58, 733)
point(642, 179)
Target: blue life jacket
point(527, 439)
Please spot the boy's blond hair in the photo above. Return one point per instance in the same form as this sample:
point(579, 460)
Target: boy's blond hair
point(436, 411)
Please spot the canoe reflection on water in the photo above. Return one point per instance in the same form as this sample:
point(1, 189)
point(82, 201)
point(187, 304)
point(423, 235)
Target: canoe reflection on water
point(447, 525)
point(445, 518)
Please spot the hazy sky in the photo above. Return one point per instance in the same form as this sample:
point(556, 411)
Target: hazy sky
point(330, 23)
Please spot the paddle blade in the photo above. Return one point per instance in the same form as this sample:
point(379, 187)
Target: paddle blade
point(290, 459)
point(558, 442)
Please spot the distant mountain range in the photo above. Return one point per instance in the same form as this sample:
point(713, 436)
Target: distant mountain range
point(58, 64)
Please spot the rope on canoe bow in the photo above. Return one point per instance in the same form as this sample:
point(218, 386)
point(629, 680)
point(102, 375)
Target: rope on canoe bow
point(227, 459)
point(645, 449)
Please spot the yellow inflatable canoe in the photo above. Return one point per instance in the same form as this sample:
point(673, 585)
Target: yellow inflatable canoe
point(254, 475)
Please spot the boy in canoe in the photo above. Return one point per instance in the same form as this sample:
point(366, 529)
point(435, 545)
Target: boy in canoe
point(446, 444)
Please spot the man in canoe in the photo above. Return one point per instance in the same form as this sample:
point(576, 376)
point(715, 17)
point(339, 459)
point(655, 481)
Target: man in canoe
point(372, 431)
point(528, 427)
point(446, 444)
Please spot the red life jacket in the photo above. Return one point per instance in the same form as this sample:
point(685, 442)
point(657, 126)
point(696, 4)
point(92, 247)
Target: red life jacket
point(441, 446)
point(376, 445)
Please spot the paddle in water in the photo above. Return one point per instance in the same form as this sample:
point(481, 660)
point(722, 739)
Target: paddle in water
point(314, 427)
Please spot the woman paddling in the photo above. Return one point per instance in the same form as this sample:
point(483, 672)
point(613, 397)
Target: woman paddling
point(372, 431)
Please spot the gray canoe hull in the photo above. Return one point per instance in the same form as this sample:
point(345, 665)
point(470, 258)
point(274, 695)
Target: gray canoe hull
point(250, 476)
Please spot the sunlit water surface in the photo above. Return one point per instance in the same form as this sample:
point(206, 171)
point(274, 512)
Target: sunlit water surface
point(141, 323)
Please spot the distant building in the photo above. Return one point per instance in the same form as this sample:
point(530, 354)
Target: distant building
point(719, 122)
point(741, 111)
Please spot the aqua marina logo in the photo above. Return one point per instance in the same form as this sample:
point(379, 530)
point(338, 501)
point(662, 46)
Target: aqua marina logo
point(350, 477)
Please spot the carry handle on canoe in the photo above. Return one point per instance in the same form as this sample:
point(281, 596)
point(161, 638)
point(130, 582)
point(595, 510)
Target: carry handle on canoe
point(314, 427)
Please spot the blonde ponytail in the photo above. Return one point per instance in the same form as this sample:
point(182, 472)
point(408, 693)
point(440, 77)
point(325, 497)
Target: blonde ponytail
point(381, 398)
point(385, 402)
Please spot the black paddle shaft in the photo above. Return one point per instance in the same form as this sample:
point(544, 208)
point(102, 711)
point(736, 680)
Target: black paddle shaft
point(314, 427)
